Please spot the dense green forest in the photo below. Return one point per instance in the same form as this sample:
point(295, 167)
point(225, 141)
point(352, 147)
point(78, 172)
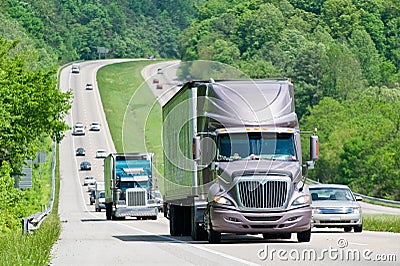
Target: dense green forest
point(342, 55)
point(66, 30)
point(344, 59)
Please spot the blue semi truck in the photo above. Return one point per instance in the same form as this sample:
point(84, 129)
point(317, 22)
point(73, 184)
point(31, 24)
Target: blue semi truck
point(128, 183)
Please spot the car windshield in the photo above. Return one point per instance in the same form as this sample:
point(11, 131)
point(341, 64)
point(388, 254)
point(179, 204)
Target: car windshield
point(342, 194)
point(256, 145)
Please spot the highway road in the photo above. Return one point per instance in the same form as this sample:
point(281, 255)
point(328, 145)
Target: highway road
point(87, 238)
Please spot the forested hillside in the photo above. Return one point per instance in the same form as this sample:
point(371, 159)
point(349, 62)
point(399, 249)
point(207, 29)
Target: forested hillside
point(74, 29)
point(344, 59)
point(342, 55)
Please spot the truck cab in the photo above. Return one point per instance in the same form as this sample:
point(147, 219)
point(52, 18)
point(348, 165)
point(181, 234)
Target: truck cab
point(129, 181)
point(237, 165)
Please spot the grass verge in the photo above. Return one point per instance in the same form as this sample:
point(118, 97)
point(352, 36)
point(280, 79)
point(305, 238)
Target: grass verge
point(33, 248)
point(381, 222)
point(132, 112)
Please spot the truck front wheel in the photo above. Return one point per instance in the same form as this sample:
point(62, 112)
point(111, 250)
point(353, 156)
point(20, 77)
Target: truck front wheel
point(304, 236)
point(213, 236)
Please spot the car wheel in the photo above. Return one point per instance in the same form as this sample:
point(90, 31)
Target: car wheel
point(358, 229)
point(347, 229)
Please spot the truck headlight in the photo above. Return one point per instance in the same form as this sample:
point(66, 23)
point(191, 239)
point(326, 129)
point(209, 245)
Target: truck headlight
point(304, 199)
point(222, 200)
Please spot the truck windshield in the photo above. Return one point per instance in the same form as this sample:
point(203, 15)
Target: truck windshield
point(256, 146)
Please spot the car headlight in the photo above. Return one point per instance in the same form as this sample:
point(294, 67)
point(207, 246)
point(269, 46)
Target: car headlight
point(304, 199)
point(222, 200)
point(356, 210)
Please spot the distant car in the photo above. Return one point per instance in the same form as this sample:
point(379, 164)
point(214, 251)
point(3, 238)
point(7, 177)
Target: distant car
point(91, 186)
point(101, 153)
point(92, 197)
point(101, 204)
point(75, 69)
point(88, 179)
point(80, 151)
point(89, 86)
point(95, 126)
point(158, 199)
point(159, 71)
point(335, 206)
point(79, 129)
point(159, 87)
point(86, 165)
point(156, 81)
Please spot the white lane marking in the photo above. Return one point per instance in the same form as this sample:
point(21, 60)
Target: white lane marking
point(177, 241)
point(173, 240)
point(85, 209)
point(192, 245)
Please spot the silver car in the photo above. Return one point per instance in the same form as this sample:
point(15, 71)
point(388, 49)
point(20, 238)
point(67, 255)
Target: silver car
point(335, 206)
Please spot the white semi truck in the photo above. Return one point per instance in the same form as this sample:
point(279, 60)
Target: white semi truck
point(233, 161)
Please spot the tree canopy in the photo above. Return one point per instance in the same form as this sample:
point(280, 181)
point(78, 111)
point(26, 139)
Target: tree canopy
point(343, 57)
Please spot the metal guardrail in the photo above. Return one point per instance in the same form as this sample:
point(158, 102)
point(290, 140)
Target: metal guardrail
point(394, 202)
point(34, 221)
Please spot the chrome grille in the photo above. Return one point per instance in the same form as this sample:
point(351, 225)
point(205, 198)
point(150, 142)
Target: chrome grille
point(343, 210)
point(136, 197)
point(263, 195)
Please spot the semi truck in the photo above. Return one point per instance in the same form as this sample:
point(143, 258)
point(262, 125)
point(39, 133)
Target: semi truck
point(128, 179)
point(233, 161)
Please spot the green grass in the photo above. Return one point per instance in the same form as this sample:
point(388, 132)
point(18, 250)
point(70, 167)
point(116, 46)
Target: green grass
point(33, 248)
point(132, 112)
point(381, 222)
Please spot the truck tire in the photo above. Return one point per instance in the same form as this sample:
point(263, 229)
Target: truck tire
point(198, 233)
point(213, 236)
point(304, 236)
point(186, 220)
point(175, 224)
point(108, 211)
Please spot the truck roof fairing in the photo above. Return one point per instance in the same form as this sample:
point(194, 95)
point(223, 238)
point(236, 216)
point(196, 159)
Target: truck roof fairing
point(244, 103)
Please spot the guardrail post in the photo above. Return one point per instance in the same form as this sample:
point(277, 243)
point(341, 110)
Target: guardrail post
point(24, 225)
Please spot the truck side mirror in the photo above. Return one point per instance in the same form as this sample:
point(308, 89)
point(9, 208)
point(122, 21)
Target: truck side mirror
point(314, 148)
point(196, 148)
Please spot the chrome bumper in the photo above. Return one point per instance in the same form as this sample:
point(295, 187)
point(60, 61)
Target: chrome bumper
point(233, 221)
